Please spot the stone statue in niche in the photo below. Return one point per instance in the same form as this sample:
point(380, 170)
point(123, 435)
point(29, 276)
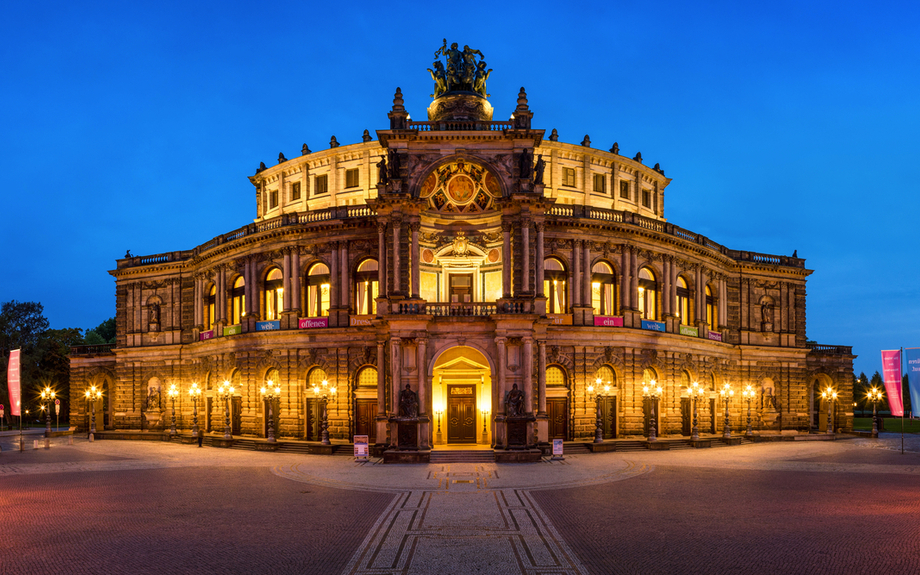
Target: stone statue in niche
point(382, 171)
point(538, 171)
point(153, 398)
point(525, 164)
point(766, 315)
point(154, 313)
point(514, 402)
point(408, 403)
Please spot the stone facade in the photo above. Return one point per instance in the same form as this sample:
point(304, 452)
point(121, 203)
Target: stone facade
point(461, 257)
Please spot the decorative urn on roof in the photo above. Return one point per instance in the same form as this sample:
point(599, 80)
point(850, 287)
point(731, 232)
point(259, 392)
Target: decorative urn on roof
point(459, 86)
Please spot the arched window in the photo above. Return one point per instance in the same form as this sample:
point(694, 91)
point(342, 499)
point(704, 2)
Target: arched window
point(367, 377)
point(238, 300)
point(318, 291)
point(606, 376)
point(209, 308)
point(316, 377)
point(274, 376)
point(554, 285)
point(683, 301)
point(274, 294)
point(555, 377)
point(648, 294)
point(366, 288)
point(711, 313)
point(602, 289)
point(684, 380)
point(648, 376)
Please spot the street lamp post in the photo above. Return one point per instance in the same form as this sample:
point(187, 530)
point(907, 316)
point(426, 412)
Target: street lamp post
point(173, 392)
point(874, 395)
point(485, 431)
point(599, 422)
point(440, 438)
point(225, 392)
point(93, 395)
point(695, 390)
point(652, 391)
point(323, 391)
point(727, 393)
point(830, 397)
point(748, 394)
point(194, 391)
point(47, 397)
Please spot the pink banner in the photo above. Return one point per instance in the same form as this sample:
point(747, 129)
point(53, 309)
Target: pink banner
point(891, 371)
point(12, 380)
point(608, 321)
point(206, 335)
point(311, 322)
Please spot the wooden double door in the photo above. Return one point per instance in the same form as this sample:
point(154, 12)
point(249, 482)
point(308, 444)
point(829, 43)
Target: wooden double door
point(557, 411)
point(461, 414)
point(366, 419)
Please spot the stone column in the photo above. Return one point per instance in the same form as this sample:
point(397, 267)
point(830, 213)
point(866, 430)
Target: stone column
point(333, 276)
point(395, 370)
point(295, 279)
point(381, 259)
point(576, 273)
point(381, 380)
point(541, 378)
point(528, 373)
point(499, 410)
point(286, 279)
point(634, 273)
point(416, 259)
point(525, 254)
point(539, 262)
point(624, 279)
point(199, 321)
point(723, 302)
point(506, 259)
point(221, 294)
point(250, 290)
point(586, 289)
point(396, 224)
point(422, 376)
point(673, 294)
point(700, 296)
point(344, 298)
point(666, 286)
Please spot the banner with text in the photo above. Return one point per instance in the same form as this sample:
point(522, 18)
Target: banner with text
point(913, 378)
point(607, 321)
point(891, 371)
point(687, 330)
point(714, 336)
point(653, 325)
point(233, 329)
point(311, 322)
point(12, 381)
point(206, 335)
point(270, 325)
point(361, 320)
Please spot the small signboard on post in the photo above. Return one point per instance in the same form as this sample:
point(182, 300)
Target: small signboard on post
point(557, 450)
point(361, 453)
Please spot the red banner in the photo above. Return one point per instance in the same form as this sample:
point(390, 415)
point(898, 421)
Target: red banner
point(891, 371)
point(12, 380)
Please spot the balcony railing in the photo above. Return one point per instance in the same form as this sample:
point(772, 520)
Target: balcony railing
point(470, 309)
point(100, 349)
point(822, 349)
point(458, 126)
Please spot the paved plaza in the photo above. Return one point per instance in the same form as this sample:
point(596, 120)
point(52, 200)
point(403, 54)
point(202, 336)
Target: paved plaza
point(849, 506)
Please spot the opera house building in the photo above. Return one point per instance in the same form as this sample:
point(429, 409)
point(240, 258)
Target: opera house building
point(461, 280)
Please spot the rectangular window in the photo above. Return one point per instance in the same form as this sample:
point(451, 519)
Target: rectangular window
point(273, 199)
point(351, 178)
point(295, 191)
point(624, 189)
point(646, 198)
point(600, 183)
point(568, 177)
point(322, 185)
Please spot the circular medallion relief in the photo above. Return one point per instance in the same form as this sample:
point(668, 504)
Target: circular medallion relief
point(494, 255)
point(427, 256)
point(461, 189)
point(428, 186)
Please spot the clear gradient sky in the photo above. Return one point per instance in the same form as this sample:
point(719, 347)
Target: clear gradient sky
point(785, 126)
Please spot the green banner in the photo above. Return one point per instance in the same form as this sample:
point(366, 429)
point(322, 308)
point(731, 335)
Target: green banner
point(233, 329)
point(687, 330)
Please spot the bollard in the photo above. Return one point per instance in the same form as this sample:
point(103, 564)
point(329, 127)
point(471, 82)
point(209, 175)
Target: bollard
point(90, 437)
point(70, 440)
point(47, 443)
point(34, 444)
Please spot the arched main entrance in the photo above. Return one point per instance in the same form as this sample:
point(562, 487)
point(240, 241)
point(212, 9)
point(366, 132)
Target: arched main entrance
point(462, 397)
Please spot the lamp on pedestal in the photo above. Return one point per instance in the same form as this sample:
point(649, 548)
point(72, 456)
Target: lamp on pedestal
point(225, 392)
point(727, 394)
point(874, 395)
point(829, 395)
point(695, 390)
point(270, 392)
point(748, 393)
point(652, 391)
point(599, 422)
point(173, 393)
point(324, 391)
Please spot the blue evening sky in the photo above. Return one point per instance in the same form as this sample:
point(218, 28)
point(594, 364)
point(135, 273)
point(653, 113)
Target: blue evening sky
point(785, 126)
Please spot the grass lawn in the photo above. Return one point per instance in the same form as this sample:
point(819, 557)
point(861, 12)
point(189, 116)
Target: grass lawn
point(892, 424)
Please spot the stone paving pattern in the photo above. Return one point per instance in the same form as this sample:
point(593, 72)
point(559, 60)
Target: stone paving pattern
point(136, 507)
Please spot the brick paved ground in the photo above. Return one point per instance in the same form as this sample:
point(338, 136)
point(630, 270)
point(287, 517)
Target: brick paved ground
point(189, 520)
point(704, 520)
point(151, 507)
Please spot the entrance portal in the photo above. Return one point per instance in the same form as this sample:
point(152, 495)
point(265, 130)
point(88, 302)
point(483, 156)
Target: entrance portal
point(462, 397)
point(461, 414)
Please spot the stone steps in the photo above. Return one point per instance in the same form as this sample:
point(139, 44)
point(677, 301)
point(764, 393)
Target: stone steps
point(462, 456)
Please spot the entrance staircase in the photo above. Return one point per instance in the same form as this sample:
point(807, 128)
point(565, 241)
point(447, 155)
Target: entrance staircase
point(462, 456)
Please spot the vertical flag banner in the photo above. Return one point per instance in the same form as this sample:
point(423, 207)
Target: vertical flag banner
point(891, 371)
point(12, 380)
point(913, 378)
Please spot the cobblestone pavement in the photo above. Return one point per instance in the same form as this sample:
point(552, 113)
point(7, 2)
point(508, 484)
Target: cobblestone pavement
point(137, 507)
